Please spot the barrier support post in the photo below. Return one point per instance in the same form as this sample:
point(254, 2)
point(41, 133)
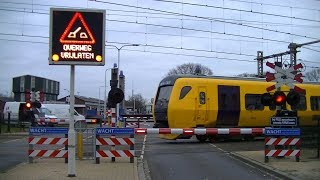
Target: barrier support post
point(66, 148)
point(9, 119)
point(266, 158)
point(80, 145)
point(113, 148)
point(30, 148)
point(109, 121)
point(97, 149)
point(132, 148)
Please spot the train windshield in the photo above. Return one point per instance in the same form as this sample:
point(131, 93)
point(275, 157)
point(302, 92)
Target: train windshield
point(164, 93)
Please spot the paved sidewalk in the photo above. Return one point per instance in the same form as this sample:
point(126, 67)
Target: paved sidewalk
point(287, 168)
point(52, 169)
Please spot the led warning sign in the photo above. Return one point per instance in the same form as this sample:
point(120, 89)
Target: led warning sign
point(77, 37)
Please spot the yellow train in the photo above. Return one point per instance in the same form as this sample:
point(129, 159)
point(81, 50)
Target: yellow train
point(189, 101)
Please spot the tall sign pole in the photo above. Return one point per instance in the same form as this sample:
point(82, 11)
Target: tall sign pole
point(71, 132)
point(76, 38)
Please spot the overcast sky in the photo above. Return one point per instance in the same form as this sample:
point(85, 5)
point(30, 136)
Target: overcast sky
point(225, 36)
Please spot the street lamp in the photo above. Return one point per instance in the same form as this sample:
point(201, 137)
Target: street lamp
point(119, 67)
point(67, 97)
point(99, 109)
point(105, 92)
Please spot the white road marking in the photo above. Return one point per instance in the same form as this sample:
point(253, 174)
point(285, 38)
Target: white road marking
point(143, 147)
point(264, 173)
point(11, 141)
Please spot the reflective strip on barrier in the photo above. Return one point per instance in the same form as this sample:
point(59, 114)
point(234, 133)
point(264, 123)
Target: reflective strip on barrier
point(48, 153)
point(282, 141)
point(201, 131)
point(279, 152)
point(114, 141)
point(51, 141)
point(115, 153)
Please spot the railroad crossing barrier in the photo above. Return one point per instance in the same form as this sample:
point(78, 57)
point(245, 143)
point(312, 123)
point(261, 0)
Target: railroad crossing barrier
point(36, 138)
point(281, 142)
point(112, 141)
point(201, 131)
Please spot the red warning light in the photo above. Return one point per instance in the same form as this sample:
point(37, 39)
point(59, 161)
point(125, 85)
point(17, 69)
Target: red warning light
point(279, 98)
point(28, 105)
point(75, 36)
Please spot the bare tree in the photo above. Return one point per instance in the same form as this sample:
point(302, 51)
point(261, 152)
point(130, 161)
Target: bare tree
point(313, 75)
point(190, 68)
point(138, 101)
point(247, 75)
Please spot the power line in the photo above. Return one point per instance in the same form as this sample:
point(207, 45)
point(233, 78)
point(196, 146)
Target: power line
point(158, 52)
point(183, 28)
point(230, 34)
point(208, 18)
point(310, 49)
point(199, 30)
point(234, 9)
point(188, 49)
point(266, 23)
point(309, 61)
point(150, 45)
point(149, 33)
point(153, 13)
point(189, 55)
point(276, 5)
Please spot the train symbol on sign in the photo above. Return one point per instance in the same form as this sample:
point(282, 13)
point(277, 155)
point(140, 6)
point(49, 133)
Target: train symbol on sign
point(83, 35)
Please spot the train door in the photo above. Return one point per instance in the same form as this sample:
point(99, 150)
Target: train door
point(228, 105)
point(201, 106)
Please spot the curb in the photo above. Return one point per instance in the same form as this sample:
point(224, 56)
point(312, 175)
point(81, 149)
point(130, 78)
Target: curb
point(268, 169)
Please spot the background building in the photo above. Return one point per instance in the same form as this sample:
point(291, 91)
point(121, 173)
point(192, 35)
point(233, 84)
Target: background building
point(23, 84)
point(82, 104)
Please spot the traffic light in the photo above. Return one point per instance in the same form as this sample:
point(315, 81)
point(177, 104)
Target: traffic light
point(115, 96)
point(279, 98)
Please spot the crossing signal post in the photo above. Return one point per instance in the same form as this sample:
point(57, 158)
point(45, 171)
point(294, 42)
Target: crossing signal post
point(115, 95)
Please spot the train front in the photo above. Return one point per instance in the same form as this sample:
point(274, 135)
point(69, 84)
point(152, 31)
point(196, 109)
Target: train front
point(161, 104)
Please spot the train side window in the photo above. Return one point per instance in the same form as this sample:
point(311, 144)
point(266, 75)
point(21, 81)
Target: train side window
point(315, 103)
point(202, 97)
point(302, 106)
point(253, 102)
point(184, 91)
point(223, 101)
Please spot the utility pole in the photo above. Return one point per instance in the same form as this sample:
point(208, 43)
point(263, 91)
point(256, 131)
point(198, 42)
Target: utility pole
point(293, 50)
point(260, 63)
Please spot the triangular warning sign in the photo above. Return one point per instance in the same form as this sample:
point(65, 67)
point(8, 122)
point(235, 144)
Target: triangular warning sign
point(77, 34)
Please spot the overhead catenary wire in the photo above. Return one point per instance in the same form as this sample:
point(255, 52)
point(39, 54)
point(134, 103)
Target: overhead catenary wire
point(208, 18)
point(163, 14)
point(188, 49)
point(139, 12)
point(156, 52)
point(275, 5)
point(230, 34)
point(150, 45)
point(234, 9)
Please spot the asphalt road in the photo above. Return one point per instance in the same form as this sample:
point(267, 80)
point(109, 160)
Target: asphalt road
point(13, 151)
point(189, 159)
